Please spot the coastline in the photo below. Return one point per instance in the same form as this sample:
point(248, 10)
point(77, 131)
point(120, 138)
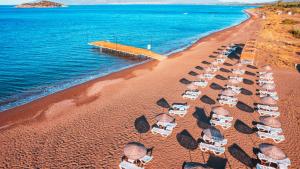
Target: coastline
point(15, 116)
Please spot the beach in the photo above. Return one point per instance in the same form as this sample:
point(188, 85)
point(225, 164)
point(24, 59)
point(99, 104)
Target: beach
point(87, 126)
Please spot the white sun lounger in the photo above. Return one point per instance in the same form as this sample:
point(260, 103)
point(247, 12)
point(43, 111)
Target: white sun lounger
point(219, 122)
point(267, 107)
point(220, 60)
point(146, 159)
point(282, 163)
point(262, 82)
point(169, 126)
point(259, 166)
point(265, 128)
point(266, 77)
point(236, 89)
point(268, 113)
point(208, 76)
point(240, 79)
point(224, 97)
point(162, 132)
point(215, 68)
point(201, 83)
point(215, 141)
point(193, 92)
point(225, 118)
point(188, 96)
point(181, 113)
point(128, 165)
point(230, 103)
point(265, 73)
point(274, 136)
point(238, 71)
point(265, 93)
point(208, 147)
point(179, 106)
point(246, 62)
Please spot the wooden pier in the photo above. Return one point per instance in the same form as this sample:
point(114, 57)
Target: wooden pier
point(126, 51)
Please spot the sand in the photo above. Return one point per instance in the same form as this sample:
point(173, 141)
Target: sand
point(88, 125)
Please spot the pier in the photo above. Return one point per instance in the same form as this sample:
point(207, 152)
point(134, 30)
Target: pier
point(126, 51)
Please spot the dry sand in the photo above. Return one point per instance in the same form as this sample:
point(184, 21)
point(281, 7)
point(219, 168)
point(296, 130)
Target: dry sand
point(87, 126)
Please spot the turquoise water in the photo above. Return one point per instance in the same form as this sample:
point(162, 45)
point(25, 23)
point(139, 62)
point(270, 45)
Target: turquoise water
point(46, 50)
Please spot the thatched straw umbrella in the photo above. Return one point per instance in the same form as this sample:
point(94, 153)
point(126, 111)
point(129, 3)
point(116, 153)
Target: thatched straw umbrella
point(219, 110)
point(268, 100)
point(228, 92)
point(268, 86)
point(213, 133)
point(267, 67)
point(272, 151)
point(135, 150)
point(192, 87)
point(164, 118)
point(270, 121)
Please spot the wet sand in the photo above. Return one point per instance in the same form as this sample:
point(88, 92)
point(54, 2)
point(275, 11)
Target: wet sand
point(88, 125)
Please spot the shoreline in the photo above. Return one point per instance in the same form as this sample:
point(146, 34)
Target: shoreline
point(10, 114)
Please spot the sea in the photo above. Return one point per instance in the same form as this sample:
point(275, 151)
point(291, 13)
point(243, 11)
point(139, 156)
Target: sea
point(44, 51)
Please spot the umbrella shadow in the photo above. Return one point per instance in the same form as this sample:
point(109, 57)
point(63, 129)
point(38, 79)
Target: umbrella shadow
point(220, 77)
point(186, 140)
point(242, 127)
point(193, 165)
point(216, 52)
point(216, 162)
point(192, 73)
point(206, 62)
point(297, 67)
point(246, 92)
point(227, 64)
point(185, 81)
point(244, 107)
point(216, 86)
point(212, 56)
point(207, 100)
point(238, 153)
point(250, 73)
point(199, 68)
point(163, 103)
point(251, 67)
point(142, 125)
point(248, 82)
point(203, 121)
point(225, 70)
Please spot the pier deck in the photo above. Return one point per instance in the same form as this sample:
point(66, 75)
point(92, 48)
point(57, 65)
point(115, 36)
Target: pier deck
point(123, 50)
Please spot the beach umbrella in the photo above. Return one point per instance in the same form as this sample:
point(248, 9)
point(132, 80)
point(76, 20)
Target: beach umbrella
point(135, 150)
point(208, 70)
point(268, 86)
point(233, 81)
point(267, 67)
point(213, 133)
point(200, 76)
point(164, 118)
point(192, 87)
point(270, 121)
point(219, 110)
point(272, 151)
point(268, 100)
point(228, 92)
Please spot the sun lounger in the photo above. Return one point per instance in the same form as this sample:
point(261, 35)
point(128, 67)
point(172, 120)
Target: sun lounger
point(181, 113)
point(267, 107)
point(162, 132)
point(215, 68)
point(265, 93)
point(128, 165)
point(219, 122)
point(223, 97)
point(235, 89)
point(201, 83)
point(240, 79)
point(208, 76)
point(265, 128)
point(220, 60)
point(265, 73)
point(170, 126)
point(268, 113)
point(208, 147)
point(146, 159)
point(231, 103)
point(259, 166)
point(187, 96)
point(282, 163)
point(267, 77)
point(262, 82)
point(224, 118)
point(193, 92)
point(274, 136)
point(238, 71)
point(180, 106)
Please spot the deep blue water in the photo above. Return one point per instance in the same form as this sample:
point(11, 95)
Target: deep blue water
point(46, 50)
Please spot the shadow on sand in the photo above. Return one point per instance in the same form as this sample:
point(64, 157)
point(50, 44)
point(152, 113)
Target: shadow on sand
point(242, 127)
point(212, 56)
point(163, 103)
point(192, 73)
point(199, 68)
point(238, 153)
point(251, 67)
point(141, 124)
point(250, 73)
point(220, 77)
point(244, 107)
point(227, 64)
point(225, 70)
point(185, 81)
point(246, 92)
point(186, 140)
point(207, 100)
point(203, 121)
point(248, 82)
point(216, 86)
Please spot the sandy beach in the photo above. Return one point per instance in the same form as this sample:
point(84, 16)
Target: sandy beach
point(88, 125)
